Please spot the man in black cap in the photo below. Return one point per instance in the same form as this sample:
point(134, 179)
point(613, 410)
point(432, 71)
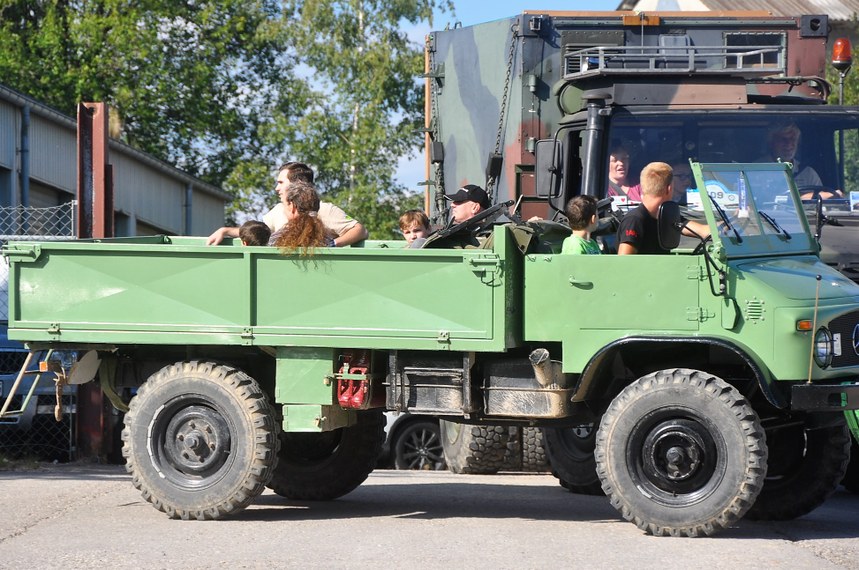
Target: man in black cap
point(467, 202)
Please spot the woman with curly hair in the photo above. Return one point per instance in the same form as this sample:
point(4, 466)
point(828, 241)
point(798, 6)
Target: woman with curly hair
point(303, 230)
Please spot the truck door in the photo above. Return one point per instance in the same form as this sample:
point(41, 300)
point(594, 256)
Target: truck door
point(596, 299)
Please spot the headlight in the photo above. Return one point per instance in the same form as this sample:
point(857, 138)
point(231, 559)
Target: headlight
point(823, 347)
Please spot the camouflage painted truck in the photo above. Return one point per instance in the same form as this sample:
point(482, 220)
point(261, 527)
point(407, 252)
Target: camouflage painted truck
point(531, 106)
point(252, 368)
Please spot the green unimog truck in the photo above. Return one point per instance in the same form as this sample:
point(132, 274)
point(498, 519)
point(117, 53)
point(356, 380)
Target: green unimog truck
point(532, 106)
point(251, 367)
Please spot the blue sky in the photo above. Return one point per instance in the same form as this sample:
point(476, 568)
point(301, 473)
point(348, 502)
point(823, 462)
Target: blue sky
point(410, 170)
point(475, 11)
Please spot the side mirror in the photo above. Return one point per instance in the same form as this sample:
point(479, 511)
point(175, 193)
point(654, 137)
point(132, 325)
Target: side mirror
point(547, 170)
point(669, 224)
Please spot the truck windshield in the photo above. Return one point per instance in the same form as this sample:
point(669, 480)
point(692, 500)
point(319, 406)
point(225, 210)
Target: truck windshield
point(820, 143)
point(764, 215)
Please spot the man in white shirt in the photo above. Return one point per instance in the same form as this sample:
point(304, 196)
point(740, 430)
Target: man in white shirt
point(342, 228)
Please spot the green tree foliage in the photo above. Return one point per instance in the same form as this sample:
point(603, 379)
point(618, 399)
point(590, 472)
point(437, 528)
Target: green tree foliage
point(366, 107)
point(228, 89)
point(190, 81)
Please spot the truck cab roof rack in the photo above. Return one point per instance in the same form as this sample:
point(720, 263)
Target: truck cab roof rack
point(747, 62)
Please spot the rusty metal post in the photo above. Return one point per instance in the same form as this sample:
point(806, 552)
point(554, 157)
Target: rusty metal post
point(95, 176)
point(95, 220)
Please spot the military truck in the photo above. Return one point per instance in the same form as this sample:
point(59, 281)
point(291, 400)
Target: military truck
point(532, 106)
point(255, 367)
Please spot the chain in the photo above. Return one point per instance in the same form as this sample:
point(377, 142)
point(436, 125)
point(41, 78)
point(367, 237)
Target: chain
point(514, 30)
point(436, 132)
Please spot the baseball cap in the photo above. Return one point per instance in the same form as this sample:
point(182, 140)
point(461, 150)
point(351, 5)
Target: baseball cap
point(470, 193)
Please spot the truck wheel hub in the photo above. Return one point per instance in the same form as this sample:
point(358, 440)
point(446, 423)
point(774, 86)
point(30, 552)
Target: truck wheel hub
point(197, 440)
point(674, 451)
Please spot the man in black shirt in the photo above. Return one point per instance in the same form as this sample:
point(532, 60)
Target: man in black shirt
point(638, 232)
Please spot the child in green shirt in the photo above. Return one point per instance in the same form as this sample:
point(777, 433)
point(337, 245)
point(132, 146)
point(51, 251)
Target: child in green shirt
point(582, 214)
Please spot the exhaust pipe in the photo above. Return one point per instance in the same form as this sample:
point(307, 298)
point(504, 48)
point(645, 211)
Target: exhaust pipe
point(547, 371)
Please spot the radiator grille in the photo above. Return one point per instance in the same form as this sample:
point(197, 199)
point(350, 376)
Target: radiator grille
point(845, 330)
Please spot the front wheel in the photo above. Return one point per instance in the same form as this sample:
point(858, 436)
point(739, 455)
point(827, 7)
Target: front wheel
point(199, 440)
point(681, 452)
point(328, 465)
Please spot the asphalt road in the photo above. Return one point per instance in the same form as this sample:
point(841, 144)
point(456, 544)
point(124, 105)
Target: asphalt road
point(90, 516)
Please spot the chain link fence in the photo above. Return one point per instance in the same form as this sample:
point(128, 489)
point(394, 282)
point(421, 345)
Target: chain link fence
point(33, 431)
point(18, 223)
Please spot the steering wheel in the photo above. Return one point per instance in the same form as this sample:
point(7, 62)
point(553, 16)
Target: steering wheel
point(815, 192)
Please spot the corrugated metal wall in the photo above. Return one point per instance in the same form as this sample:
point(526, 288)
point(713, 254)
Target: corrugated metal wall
point(53, 148)
point(149, 195)
point(208, 213)
point(8, 134)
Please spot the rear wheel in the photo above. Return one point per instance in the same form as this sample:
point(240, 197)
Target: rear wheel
point(571, 456)
point(805, 468)
point(534, 456)
point(473, 449)
point(681, 452)
point(327, 465)
point(199, 440)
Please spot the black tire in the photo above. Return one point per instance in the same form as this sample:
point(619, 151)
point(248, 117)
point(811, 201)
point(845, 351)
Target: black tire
point(327, 465)
point(805, 468)
point(851, 478)
point(512, 450)
point(534, 456)
point(200, 440)
point(571, 457)
point(473, 449)
point(417, 445)
point(681, 452)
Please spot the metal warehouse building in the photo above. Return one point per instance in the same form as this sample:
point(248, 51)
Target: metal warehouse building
point(38, 168)
point(38, 190)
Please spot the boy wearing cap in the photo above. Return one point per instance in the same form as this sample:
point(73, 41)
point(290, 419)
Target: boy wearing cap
point(467, 202)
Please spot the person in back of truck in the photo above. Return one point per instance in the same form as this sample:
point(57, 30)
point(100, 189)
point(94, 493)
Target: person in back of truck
point(467, 202)
point(254, 232)
point(304, 230)
point(415, 225)
point(343, 229)
point(619, 184)
point(582, 214)
point(638, 231)
point(783, 143)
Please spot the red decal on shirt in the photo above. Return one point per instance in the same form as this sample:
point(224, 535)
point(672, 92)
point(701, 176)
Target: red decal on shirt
point(631, 233)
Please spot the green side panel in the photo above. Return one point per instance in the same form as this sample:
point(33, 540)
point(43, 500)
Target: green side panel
point(189, 293)
point(304, 375)
point(118, 288)
point(315, 418)
point(587, 301)
point(349, 296)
